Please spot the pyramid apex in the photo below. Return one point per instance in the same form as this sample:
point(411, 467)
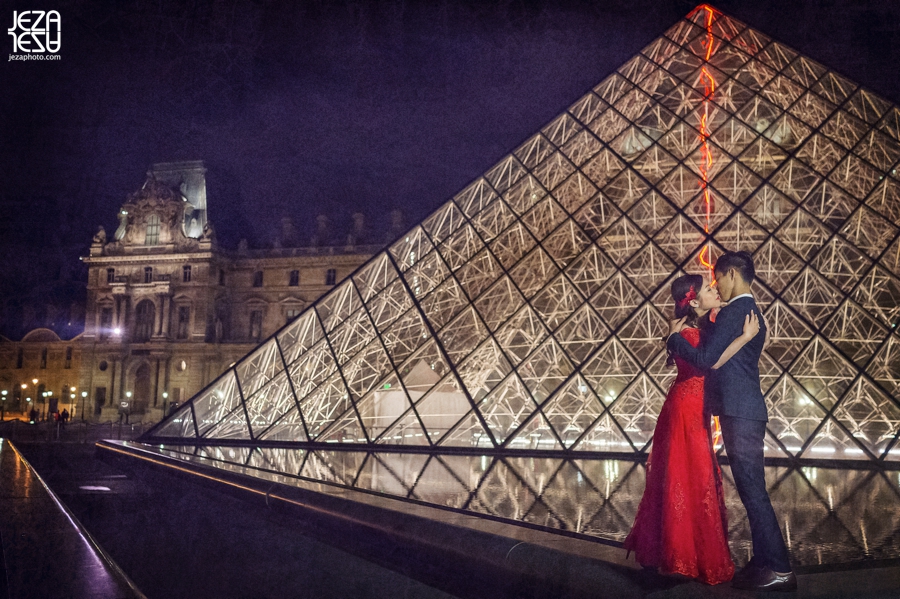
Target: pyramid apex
point(707, 10)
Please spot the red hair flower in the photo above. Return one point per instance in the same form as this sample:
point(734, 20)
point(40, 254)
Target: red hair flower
point(690, 295)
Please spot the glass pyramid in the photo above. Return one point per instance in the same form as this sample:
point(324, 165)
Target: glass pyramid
point(527, 311)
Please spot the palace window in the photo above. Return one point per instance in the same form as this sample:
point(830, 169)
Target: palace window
point(106, 315)
point(44, 358)
point(144, 316)
point(152, 230)
point(221, 276)
point(110, 275)
point(291, 313)
point(186, 273)
point(294, 278)
point(256, 317)
point(148, 274)
point(20, 357)
point(68, 357)
point(184, 319)
point(330, 276)
point(258, 278)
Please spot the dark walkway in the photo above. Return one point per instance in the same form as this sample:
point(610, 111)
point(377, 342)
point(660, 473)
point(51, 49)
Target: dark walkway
point(177, 540)
point(46, 553)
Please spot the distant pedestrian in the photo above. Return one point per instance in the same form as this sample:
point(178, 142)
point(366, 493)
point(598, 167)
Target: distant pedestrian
point(64, 416)
point(33, 415)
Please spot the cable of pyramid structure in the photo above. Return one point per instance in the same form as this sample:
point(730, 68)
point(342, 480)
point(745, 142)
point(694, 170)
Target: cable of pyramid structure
point(524, 314)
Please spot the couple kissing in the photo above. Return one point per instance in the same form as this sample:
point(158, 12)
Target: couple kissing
point(681, 526)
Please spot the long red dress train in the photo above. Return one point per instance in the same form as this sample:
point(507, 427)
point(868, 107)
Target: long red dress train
point(681, 525)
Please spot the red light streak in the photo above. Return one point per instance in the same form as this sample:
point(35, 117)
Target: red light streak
point(706, 159)
point(709, 38)
point(703, 260)
point(711, 82)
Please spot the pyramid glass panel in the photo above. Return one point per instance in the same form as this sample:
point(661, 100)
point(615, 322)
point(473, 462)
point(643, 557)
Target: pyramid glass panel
point(442, 407)
point(526, 312)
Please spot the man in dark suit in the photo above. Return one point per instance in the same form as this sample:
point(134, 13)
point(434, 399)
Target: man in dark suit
point(733, 393)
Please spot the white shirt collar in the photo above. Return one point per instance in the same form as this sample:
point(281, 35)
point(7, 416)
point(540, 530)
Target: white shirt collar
point(750, 295)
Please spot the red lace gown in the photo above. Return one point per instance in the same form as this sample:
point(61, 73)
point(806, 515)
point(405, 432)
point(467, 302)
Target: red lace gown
point(681, 526)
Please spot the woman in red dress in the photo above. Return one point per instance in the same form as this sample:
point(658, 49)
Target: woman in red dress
point(681, 526)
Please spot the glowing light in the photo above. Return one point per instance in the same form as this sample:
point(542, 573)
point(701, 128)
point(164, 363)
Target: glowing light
point(822, 449)
point(709, 37)
point(717, 432)
point(703, 260)
point(709, 84)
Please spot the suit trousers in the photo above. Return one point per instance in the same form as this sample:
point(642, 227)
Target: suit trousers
point(744, 441)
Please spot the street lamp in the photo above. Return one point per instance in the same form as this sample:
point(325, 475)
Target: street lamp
point(83, 404)
point(125, 408)
point(3, 405)
point(165, 402)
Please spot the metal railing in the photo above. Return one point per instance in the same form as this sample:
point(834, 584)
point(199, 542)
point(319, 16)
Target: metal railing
point(23, 431)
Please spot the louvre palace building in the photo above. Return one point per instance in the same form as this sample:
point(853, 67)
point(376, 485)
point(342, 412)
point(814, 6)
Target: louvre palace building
point(168, 310)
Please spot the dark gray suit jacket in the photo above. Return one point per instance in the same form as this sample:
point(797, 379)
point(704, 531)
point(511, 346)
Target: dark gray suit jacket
point(733, 389)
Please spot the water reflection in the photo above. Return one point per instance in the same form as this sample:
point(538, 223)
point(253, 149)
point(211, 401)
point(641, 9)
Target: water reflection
point(827, 515)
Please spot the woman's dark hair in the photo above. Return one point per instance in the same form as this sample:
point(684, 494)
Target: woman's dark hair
point(680, 289)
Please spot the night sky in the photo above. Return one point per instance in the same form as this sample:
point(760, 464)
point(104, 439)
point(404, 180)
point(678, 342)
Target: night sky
point(301, 108)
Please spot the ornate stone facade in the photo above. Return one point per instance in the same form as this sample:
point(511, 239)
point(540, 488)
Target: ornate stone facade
point(167, 310)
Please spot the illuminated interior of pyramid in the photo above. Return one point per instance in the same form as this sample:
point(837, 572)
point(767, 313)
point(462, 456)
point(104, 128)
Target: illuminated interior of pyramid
point(526, 312)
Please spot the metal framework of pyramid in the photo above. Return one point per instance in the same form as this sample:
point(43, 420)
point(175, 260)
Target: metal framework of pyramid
point(527, 311)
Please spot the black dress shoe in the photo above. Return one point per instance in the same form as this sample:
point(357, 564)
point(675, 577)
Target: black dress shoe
point(764, 579)
point(745, 575)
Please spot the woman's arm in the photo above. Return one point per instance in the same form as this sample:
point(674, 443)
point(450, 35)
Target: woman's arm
point(751, 328)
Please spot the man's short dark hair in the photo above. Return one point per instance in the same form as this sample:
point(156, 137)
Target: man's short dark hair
point(742, 262)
